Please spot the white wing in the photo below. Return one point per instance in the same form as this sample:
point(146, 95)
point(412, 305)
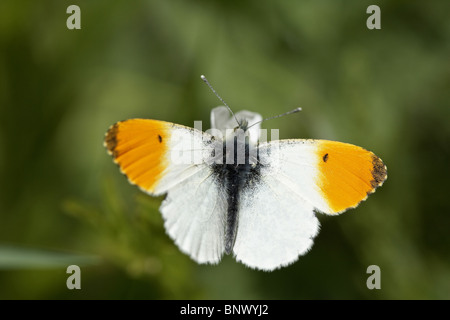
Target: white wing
point(277, 223)
point(276, 219)
point(161, 157)
point(195, 208)
point(194, 213)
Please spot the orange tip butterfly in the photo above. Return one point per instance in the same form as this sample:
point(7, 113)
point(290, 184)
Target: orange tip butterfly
point(229, 192)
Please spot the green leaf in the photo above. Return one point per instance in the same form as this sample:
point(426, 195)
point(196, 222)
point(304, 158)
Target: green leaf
point(12, 257)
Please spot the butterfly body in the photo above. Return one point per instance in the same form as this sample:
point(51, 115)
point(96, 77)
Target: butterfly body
point(235, 176)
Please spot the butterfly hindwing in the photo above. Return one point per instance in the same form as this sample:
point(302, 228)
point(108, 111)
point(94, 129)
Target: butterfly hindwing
point(275, 225)
point(194, 213)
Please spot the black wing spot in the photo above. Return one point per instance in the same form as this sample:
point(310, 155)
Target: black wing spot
point(111, 139)
point(325, 157)
point(159, 138)
point(379, 172)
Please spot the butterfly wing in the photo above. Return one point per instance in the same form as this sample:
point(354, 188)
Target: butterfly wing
point(332, 176)
point(297, 177)
point(275, 226)
point(161, 157)
point(194, 213)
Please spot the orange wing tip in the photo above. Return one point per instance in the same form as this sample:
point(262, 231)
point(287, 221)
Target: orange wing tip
point(139, 147)
point(347, 174)
point(379, 174)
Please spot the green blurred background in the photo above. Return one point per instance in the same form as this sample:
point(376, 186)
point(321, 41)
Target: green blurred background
point(63, 201)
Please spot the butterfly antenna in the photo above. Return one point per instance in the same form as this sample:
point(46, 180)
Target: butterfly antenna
point(280, 115)
point(212, 89)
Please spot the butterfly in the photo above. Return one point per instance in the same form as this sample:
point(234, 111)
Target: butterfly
point(229, 192)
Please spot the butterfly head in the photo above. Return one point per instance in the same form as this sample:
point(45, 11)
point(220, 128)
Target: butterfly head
point(235, 126)
point(243, 125)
